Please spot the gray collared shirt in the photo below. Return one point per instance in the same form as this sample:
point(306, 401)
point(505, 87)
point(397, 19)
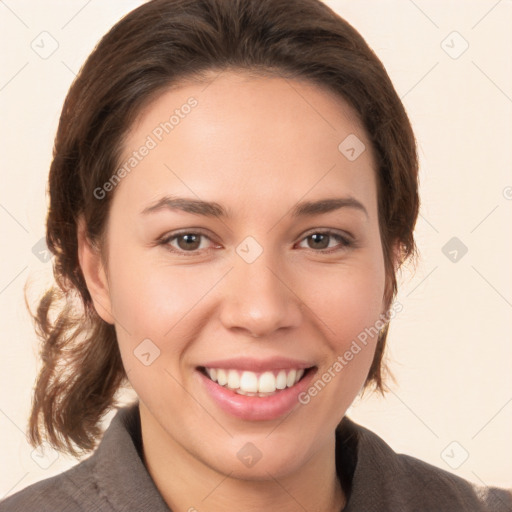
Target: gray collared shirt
point(114, 479)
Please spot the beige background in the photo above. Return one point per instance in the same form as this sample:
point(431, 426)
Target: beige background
point(450, 347)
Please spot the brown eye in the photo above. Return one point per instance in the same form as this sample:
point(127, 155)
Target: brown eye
point(319, 241)
point(322, 241)
point(189, 241)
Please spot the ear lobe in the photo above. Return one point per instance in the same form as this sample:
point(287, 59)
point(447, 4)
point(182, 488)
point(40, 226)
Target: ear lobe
point(94, 273)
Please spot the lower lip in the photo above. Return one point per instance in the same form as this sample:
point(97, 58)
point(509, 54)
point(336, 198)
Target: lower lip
point(253, 408)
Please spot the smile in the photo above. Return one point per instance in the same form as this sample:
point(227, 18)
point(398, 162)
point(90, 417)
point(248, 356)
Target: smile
point(255, 384)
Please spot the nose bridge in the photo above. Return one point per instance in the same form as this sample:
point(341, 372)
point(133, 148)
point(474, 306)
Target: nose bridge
point(257, 298)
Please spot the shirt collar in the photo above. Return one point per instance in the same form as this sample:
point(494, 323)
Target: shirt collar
point(119, 469)
point(124, 481)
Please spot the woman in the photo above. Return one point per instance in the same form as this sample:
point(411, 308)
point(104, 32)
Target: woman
point(234, 186)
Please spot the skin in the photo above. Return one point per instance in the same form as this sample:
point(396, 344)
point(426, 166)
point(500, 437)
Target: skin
point(257, 146)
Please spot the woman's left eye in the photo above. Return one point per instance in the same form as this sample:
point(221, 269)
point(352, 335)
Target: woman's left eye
point(321, 240)
point(318, 241)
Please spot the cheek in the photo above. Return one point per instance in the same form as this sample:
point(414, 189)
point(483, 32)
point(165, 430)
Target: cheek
point(153, 299)
point(349, 305)
point(156, 310)
point(348, 301)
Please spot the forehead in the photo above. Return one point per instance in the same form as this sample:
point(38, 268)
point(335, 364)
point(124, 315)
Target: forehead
point(236, 134)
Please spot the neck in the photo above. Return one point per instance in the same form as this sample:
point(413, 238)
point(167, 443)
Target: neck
point(187, 484)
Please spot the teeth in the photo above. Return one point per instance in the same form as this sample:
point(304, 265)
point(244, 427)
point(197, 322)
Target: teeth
point(290, 378)
point(267, 383)
point(233, 379)
point(249, 382)
point(253, 384)
point(281, 380)
point(222, 377)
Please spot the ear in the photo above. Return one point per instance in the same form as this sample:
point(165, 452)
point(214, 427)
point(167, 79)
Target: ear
point(94, 273)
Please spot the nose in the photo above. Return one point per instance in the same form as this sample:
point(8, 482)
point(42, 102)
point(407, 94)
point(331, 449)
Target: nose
point(257, 299)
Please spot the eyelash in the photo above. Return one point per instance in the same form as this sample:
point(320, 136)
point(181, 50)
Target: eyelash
point(346, 242)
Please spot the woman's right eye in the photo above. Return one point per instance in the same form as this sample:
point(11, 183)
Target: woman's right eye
point(185, 242)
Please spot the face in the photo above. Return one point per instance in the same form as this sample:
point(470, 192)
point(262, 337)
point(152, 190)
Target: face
point(271, 282)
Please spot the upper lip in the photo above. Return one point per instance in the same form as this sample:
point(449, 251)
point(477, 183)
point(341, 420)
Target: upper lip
point(258, 365)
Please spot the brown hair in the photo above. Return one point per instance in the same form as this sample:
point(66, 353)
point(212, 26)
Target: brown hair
point(157, 45)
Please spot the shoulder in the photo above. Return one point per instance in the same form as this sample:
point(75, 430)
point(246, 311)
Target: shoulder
point(73, 490)
point(384, 480)
point(76, 489)
point(112, 478)
point(441, 487)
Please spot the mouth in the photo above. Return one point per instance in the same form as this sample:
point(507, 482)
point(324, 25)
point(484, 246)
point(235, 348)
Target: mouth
point(256, 384)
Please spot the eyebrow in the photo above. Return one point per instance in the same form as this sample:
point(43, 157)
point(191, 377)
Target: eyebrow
point(213, 209)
